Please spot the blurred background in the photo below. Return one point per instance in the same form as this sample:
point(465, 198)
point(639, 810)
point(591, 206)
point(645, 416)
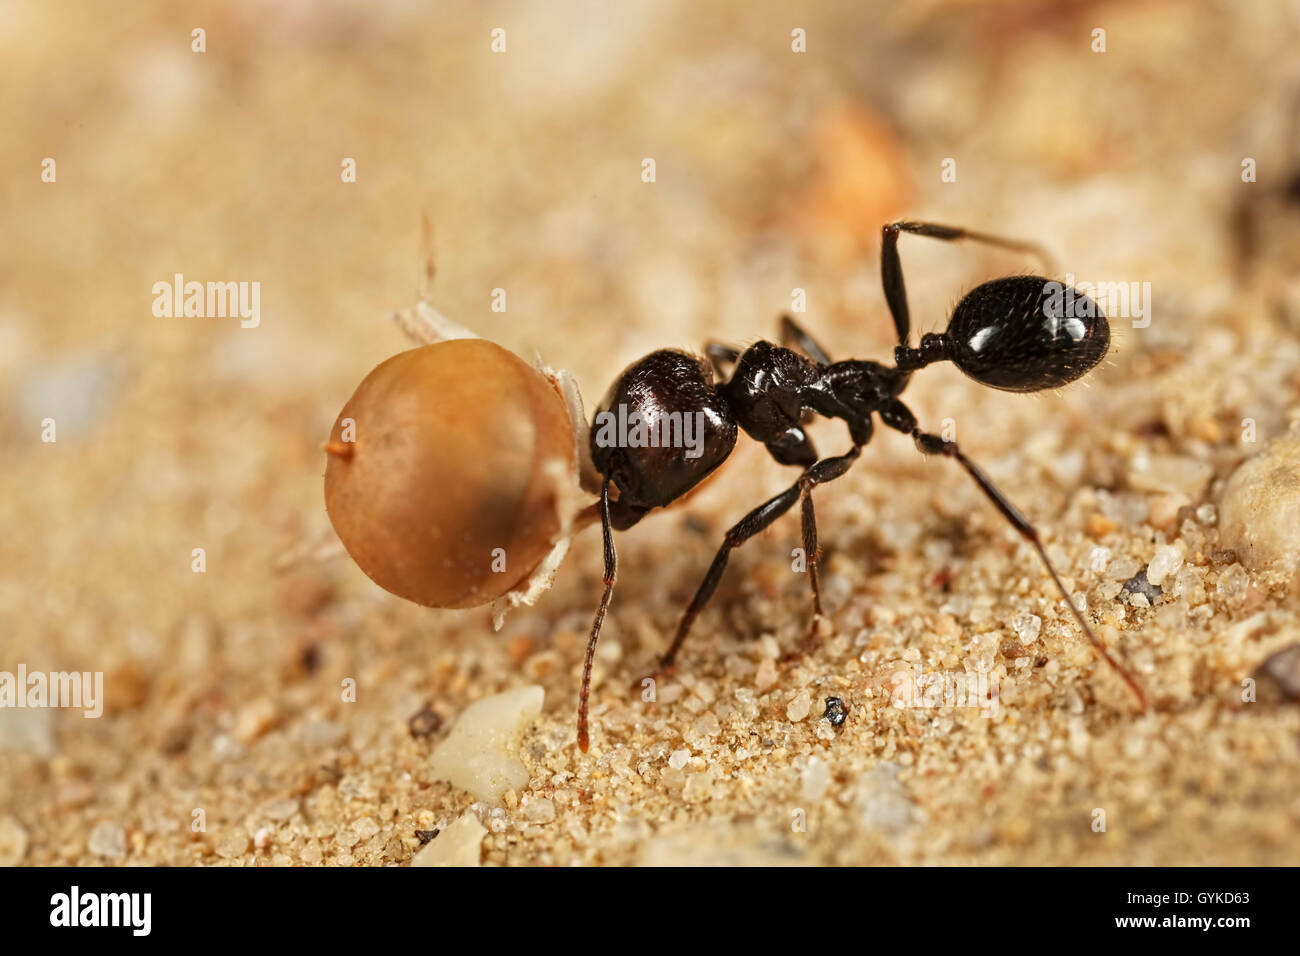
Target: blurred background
point(774, 171)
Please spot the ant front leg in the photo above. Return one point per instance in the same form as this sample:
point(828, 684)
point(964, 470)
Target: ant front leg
point(757, 520)
point(748, 526)
point(891, 267)
point(898, 416)
point(611, 572)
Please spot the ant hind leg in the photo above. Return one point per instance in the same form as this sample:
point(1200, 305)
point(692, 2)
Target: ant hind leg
point(899, 417)
point(757, 520)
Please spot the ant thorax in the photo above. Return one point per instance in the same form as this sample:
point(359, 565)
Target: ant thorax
point(769, 390)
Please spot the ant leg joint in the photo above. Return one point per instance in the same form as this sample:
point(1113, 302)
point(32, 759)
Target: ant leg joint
point(932, 444)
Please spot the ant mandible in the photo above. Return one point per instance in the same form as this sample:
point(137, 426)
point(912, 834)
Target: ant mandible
point(1006, 333)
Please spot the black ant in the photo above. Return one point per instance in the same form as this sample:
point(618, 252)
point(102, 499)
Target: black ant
point(1004, 333)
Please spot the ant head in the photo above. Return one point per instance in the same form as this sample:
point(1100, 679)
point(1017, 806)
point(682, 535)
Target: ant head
point(1026, 333)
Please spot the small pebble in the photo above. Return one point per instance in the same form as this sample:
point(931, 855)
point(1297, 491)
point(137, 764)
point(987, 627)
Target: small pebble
point(1027, 627)
point(718, 843)
point(1259, 513)
point(1232, 584)
point(77, 390)
point(1165, 509)
point(256, 719)
point(677, 760)
point(537, 810)
point(799, 707)
point(835, 711)
point(424, 723)
point(1206, 429)
point(232, 844)
point(1173, 617)
point(108, 840)
point(1125, 509)
point(1099, 525)
point(74, 793)
point(281, 809)
point(28, 730)
point(13, 841)
point(1281, 673)
point(816, 779)
point(1166, 561)
point(1172, 474)
point(1139, 587)
point(1013, 650)
point(1189, 584)
point(364, 828)
point(707, 725)
point(458, 845)
point(1122, 569)
point(699, 787)
point(542, 664)
point(226, 749)
point(324, 733)
point(884, 802)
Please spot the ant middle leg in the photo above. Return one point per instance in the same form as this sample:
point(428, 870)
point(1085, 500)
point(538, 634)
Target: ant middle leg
point(757, 520)
point(828, 469)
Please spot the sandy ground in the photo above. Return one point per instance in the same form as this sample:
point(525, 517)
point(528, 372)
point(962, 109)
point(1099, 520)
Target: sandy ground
point(774, 171)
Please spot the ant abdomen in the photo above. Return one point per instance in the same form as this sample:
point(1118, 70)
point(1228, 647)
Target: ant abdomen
point(661, 429)
point(1026, 333)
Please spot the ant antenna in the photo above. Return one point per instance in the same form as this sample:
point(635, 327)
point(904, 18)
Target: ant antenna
point(611, 571)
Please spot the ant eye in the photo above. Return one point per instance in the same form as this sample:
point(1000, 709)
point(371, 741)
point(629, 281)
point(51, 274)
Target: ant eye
point(1026, 333)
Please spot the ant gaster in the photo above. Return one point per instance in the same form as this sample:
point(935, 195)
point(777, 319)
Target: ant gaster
point(1003, 333)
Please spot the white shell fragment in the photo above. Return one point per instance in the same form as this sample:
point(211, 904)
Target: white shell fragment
point(426, 325)
point(458, 845)
point(569, 485)
point(481, 754)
